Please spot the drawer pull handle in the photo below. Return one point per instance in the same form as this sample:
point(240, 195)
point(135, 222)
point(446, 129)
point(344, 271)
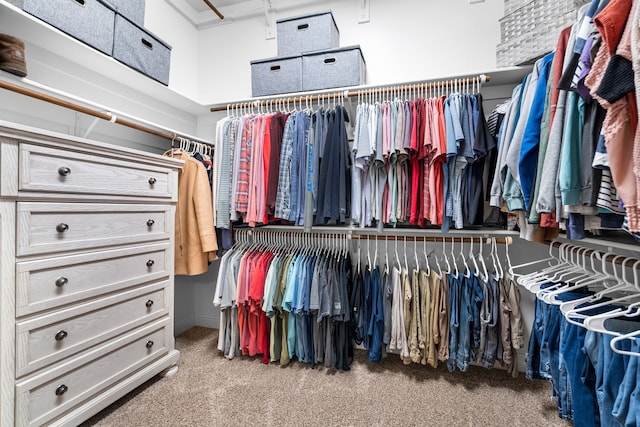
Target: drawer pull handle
point(152, 181)
point(61, 335)
point(64, 171)
point(149, 303)
point(62, 227)
point(150, 223)
point(61, 281)
point(149, 344)
point(62, 389)
point(150, 263)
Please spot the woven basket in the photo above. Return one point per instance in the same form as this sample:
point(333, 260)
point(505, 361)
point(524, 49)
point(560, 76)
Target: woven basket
point(531, 30)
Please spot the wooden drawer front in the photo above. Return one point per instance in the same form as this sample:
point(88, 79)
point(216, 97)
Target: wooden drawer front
point(55, 227)
point(50, 283)
point(60, 171)
point(47, 339)
point(49, 395)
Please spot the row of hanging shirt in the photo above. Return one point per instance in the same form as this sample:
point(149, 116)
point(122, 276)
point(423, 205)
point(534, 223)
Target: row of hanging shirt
point(420, 161)
point(416, 161)
point(283, 166)
point(285, 301)
point(586, 334)
point(568, 134)
point(443, 313)
point(286, 298)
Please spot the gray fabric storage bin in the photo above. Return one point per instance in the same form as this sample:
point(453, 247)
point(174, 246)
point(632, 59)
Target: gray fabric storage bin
point(306, 33)
point(133, 10)
point(333, 68)
point(141, 50)
point(276, 75)
point(91, 21)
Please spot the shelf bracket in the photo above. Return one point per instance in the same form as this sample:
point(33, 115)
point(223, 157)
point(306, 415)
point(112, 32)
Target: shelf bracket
point(269, 20)
point(363, 11)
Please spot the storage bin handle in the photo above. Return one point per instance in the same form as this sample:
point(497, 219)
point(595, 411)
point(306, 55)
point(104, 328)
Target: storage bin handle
point(330, 60)
point(303, 27)
point(80, 2)
point(275, 68)
point(147, 43)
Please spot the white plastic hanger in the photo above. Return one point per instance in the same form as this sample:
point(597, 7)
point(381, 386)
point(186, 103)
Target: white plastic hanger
point(406, 264)
point(467, 271)
point(453, 259)
point(555, 274)
point(592, 277)
point(426, 257)
point(494, 256)
point(619, 284)
point(551, 261)
point(614, 343)
point(415, 253)
point(577, 312)
point(485, 278)
point(476, 270)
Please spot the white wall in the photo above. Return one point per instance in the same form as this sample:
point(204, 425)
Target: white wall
point(405, 40)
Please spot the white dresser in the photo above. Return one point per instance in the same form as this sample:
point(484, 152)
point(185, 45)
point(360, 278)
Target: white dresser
point(86, 279)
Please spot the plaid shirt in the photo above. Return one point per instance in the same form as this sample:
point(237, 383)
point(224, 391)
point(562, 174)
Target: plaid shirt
point(283, 196)
point(244, 168)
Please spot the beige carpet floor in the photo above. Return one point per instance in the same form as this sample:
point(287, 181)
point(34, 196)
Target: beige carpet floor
point(210, 390)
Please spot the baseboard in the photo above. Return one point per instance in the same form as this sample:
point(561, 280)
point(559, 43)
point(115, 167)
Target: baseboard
point(181, 327)
point(208, 321)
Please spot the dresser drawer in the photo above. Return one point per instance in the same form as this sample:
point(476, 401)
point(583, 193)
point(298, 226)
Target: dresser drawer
point(47, 339)
point(56, 227)
point(51, 394)
point(52, 282)
point(62, 171)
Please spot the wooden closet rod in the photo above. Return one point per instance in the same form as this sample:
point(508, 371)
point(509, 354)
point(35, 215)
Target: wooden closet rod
point(215, 10)
point(355, 92)
point(353, 234)
point(85, 110)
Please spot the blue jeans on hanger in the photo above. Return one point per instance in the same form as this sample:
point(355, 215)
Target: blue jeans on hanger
point(477, 296)
point(581, 377)
point(624, 408)
point(609, 375)
point(537, 361)
point(454, 320)
point(561, 381)
point(464, 345)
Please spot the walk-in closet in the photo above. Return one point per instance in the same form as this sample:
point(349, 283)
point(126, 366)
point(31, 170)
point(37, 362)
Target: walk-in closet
point(325, 213)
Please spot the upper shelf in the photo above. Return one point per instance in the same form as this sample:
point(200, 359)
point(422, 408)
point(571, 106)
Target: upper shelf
point(47, 48)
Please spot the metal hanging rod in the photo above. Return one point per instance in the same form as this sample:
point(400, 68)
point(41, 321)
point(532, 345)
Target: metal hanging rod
point(356, 91)
point(104, 115)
